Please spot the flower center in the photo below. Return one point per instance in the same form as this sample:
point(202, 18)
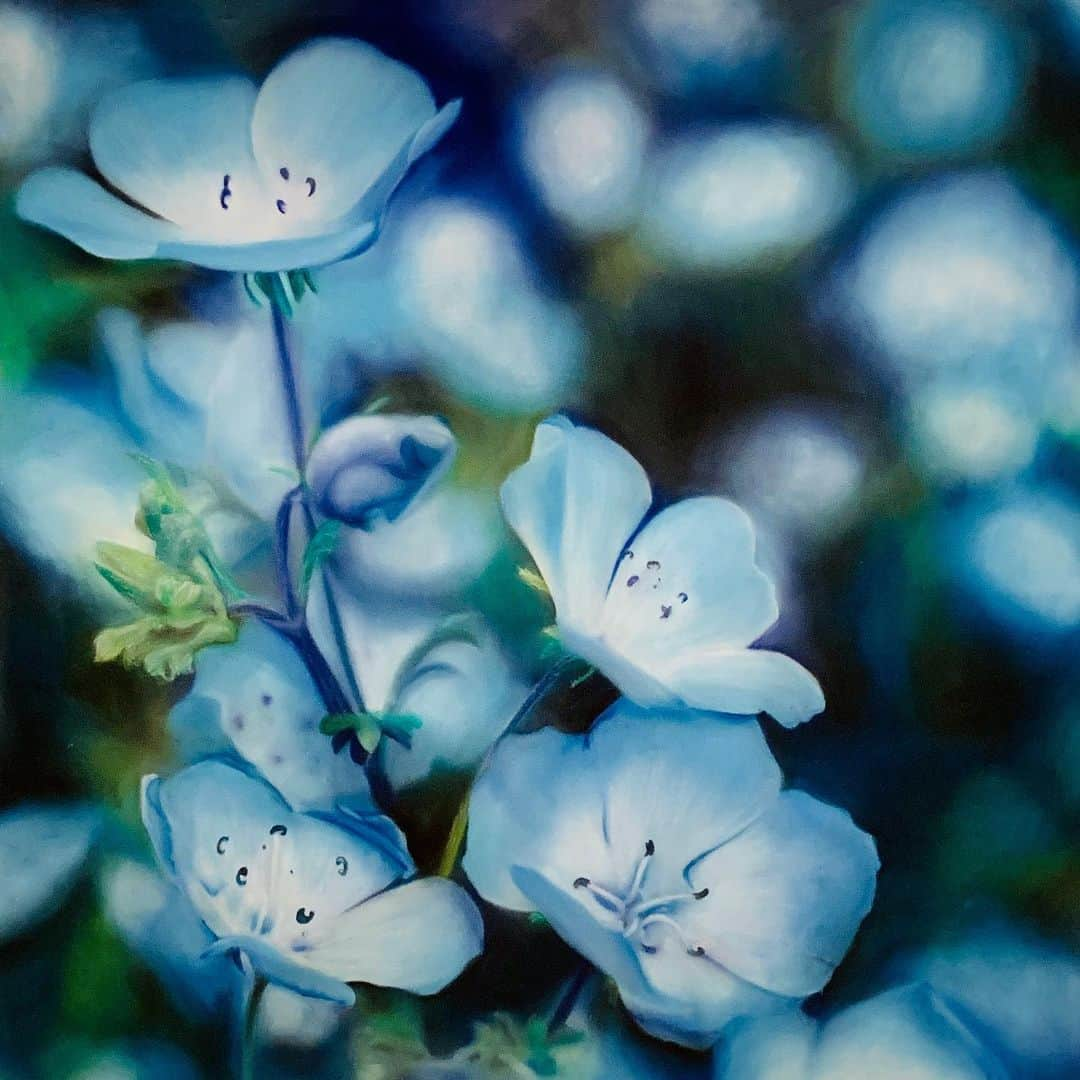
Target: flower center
point(305, 191)
point(642, 582)
point(636, 913)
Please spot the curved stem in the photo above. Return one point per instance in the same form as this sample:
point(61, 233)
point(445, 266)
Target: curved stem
point(456, 837)
point(289, 385)
point(247, 1033)
point(565, 1007)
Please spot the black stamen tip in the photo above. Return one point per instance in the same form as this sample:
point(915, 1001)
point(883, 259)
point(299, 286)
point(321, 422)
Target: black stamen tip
point(653, 564)
point(278, 830)
point(303, 916)
point(342, 865)
point(701, 894)
point(650, 848)
point(311, 185)
point(222, 841)
point(697, 950)
point(581, 883)
point(683, 598)
point(648, 948)
point(242, 875)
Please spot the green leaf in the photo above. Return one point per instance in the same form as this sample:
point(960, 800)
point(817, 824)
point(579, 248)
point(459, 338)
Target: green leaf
point(335, 723)
point(376, 405)
point(320, 547)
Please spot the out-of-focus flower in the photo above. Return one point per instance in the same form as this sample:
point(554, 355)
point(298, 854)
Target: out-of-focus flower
point(963, 431)
point(52, 70)
point(293, 175)
point(256, 699)
point(909, 1033)
point(450, 673)
point(42, 850)
point(727, 47)
point(450, 289)
point(370, 468)
point(795, 468)
point(583, 140)
point(1022, 989)
point(131, 1059)
point(925, 78)
point(745, 194)
point(962, 276)
point(305, 902)
point(661, 847)
point(667, 608)
point(1019, 556)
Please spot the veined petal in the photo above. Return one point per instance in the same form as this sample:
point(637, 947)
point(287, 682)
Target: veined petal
point(169, 144)
point(785, 896)
point(417, 937)
point(689, 579)
point(746, 681)
point(278, 968)
point(575, 503)
point(69, 203)
point(330, 118)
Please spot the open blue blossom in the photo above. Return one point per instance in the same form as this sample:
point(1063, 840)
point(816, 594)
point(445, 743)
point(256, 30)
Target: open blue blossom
point(374, 467)
point(42, 850)
point(217, 173)
point(662, 848)
point(666, 609)
point(308, 902)
point(909, 1033)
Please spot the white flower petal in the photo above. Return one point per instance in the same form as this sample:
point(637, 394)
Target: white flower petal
point(417, 937)
point(575, 503)
point(70, 203)
point(746, 681)
point(690, 580)
point(785, 896)
point(169, 144)
point(336, 112)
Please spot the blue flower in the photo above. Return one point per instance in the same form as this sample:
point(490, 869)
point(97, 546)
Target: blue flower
point(309, 903)
point(665, 609)
point(42, 850)
point(370, 468)
point(909, 1033)
point(296, 174)
point(661, 847)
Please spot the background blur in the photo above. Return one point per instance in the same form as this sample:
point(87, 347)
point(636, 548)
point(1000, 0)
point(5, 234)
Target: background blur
point(818, 256)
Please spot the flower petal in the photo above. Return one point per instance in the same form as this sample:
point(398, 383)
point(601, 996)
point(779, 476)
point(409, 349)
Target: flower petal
point(746, 681)
point(277, 968)
point(256, 698)
point(690, 581)
point(169, 144)
point(909, 1032)
point(778, 1047)
point(42, 850)
point(69, 203)
point(786, 895)
point(575, 503)
point(337, 111)
point(417, 937)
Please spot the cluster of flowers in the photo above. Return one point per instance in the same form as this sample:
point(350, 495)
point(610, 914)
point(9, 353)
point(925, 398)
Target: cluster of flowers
point(661, 844)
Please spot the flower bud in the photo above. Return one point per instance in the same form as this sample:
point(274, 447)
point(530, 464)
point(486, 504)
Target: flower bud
point(370, 466)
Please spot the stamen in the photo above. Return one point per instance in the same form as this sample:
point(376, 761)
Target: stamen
point(676, 929)
point(639, 871)
point(604, 897)
point(222, 841)
point(310, 181)
point(303, 916)
point(581, 883)
point(645, 910)
point(280, 204)
point(225, 193)
point(278, 830)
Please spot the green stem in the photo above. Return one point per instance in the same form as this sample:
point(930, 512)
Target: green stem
point(247, 1035)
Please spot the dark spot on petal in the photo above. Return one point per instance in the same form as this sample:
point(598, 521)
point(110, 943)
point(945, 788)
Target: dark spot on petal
point(222, 841)
point(277, 759)
point(226, 192)
point(267, 699)
point(310, 181)
point(242, 875)
point(697, 950)
point(683, 598)
point(701, 894)
point(342, 865)
point(650, 949)
point(665, 611)
point(280, 204)
point(283, 173)
point(303, 916)
point(238, 722)
point(653, 564)
point(632, 581)
point(581, 883)
point(650, 848)
point(278, 830)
